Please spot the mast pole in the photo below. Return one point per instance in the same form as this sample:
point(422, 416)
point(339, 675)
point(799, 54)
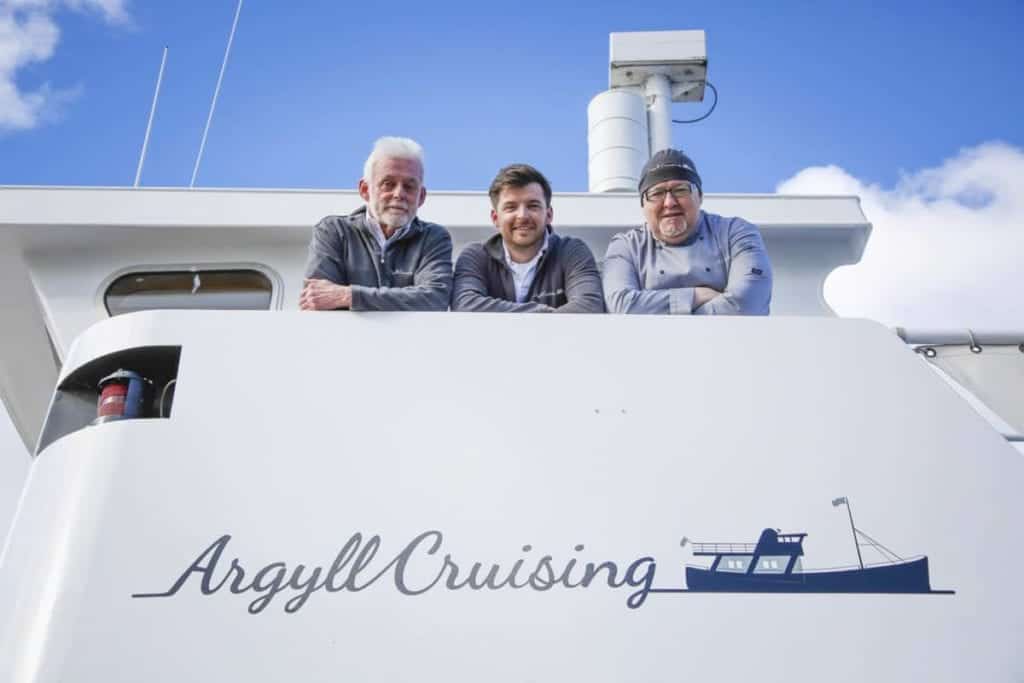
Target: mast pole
point(149, 124)
point(853, 529)
point(216, 92)
point(658, 89)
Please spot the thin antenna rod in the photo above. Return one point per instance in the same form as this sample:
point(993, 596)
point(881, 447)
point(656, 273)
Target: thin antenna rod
point(149, 124)
point(216, 92)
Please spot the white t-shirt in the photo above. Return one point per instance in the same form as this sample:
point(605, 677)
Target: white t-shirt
point(523, 273)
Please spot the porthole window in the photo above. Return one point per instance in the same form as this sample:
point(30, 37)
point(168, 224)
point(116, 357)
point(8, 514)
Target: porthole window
point(241, 289)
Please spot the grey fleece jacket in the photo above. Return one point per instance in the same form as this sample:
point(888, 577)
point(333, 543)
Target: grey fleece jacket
point(567, 279)
point(412, 273)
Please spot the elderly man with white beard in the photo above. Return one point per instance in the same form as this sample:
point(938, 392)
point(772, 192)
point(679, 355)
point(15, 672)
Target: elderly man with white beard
point(684, 260)
point(381, 257)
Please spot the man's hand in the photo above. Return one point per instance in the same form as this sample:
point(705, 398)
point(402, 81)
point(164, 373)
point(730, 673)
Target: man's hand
point(324, 295)
point(702, 295)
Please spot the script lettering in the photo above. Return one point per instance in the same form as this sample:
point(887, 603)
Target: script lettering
point(356, 568)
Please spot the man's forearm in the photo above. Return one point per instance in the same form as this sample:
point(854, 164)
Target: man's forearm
point(702, 295)
point(677, 301)
point(432, 297)
point(583, 289)
point(473, 302)
point(324, 295)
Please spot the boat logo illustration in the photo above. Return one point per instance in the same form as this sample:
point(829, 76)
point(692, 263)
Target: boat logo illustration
point(774, 565)
point(771, 565)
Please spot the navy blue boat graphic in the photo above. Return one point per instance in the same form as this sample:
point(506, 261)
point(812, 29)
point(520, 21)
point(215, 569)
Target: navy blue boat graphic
point(774, 565)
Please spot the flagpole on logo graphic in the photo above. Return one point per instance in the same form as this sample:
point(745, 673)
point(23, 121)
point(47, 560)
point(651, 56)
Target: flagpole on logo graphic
point(836, 502)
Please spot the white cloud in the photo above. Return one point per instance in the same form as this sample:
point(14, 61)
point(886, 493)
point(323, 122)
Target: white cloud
point(946, 247)
point(113, 11)
point(29, 35)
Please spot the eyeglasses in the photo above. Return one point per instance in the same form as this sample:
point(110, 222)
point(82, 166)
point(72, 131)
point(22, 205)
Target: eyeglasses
point(678, 192)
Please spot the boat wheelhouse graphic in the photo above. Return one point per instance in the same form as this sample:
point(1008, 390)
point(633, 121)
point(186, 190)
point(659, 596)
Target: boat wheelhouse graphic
point(774, 565)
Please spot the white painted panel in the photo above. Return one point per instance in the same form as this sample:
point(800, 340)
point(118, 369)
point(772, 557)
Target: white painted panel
point(14, 463)
point(291, 432)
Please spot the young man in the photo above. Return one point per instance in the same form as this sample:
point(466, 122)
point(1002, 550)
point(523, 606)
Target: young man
point(526, 267)
point(381, 257)
point(684, 260)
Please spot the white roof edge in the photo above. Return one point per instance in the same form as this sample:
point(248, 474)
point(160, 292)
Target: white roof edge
point(70, 206)
point(343, 190)
point(961, 336)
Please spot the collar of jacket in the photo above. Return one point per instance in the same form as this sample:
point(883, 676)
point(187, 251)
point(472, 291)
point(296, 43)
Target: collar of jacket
point(494, 248)
point(414, 228)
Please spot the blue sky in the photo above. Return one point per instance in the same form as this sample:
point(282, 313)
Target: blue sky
point(311, 84)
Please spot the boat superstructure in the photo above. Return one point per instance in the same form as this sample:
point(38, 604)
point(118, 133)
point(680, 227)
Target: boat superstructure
point(62, 248)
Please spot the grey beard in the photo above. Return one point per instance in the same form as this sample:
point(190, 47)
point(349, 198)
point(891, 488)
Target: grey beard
point(395, 222)
point(674, 233)
point(391, 221)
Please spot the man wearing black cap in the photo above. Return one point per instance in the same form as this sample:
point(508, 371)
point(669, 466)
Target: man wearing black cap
point(685, 261)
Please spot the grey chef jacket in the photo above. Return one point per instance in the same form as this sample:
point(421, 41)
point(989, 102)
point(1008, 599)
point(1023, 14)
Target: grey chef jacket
point(644, 275)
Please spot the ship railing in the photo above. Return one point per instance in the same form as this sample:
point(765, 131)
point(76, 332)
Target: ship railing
point(715, 548)
point(976, 374)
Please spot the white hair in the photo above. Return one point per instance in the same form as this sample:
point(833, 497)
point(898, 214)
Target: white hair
point(394, 148)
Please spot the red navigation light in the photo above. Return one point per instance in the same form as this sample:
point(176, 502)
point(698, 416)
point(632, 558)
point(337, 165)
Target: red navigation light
point(112, 397)
point(122, 396)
